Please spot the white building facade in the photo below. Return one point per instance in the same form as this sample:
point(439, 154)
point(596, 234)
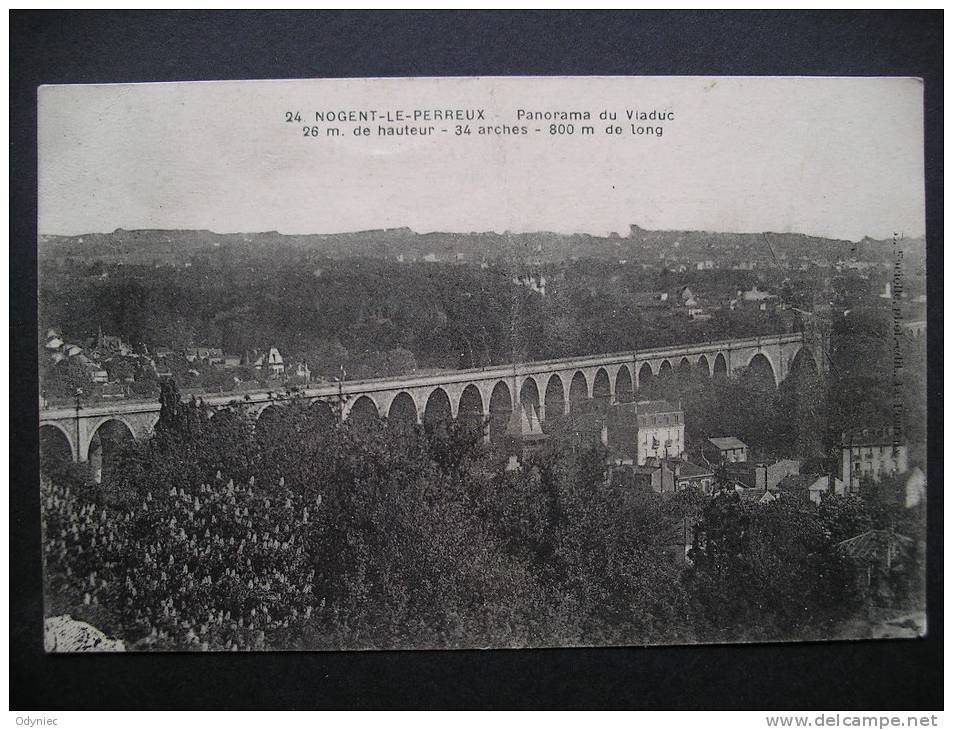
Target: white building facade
point(661, 430)
point(871, 454)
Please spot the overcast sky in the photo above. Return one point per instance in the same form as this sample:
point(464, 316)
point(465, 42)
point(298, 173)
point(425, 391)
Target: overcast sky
point(833, 157)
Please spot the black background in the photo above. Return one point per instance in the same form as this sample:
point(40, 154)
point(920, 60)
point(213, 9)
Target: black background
point(85, 47)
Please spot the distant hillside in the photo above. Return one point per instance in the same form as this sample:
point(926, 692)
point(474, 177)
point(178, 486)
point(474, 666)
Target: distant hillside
point(764, 246)
point(176, 246)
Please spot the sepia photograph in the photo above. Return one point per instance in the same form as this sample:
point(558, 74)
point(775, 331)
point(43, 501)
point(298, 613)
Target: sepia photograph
point(481, 363)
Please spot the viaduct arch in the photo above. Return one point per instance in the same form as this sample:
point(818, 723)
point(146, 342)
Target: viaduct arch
point(477, 395)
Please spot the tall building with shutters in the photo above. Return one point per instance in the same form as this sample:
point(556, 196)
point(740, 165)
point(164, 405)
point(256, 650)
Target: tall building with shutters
point(659, 429)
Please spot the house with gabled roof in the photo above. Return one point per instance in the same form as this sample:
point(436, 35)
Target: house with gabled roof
point(756, 495)
point(272, 361)
point(723, 449)
point(811, 487)
point(693, 476)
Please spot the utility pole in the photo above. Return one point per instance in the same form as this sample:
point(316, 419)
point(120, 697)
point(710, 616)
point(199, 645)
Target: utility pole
point(77, 396)
point(341, 392)
point(514, 313)
point(514, 264)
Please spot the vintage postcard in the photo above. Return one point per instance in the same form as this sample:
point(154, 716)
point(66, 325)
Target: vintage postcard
point(481, 362)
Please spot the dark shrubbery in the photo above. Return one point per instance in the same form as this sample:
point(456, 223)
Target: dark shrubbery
point(224, 533)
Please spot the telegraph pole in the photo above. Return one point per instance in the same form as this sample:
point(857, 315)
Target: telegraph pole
point(77, 396)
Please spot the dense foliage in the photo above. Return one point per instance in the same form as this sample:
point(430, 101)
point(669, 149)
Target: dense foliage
point(376, 318)
point(379, 317)
point(772, 568)
point(296, 532)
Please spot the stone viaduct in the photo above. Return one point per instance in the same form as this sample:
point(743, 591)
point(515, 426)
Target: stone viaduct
point(548, 386)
